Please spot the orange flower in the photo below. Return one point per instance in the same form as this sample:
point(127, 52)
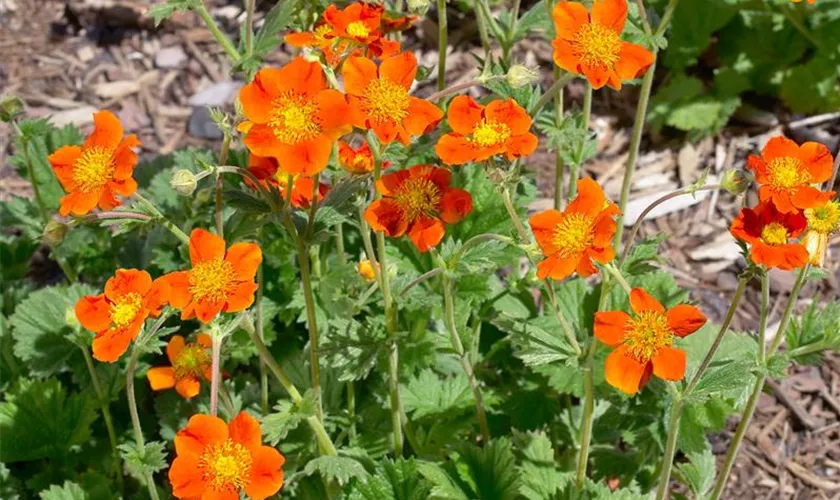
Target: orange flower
point(418, 201)
point(644, 342)
point(217, 461)
point(768, 231)
point(293, 116)
point(479, 132)
point(189, 363)
point(366, 271)
point(379, 98)
point(572, 239)
point(98, 170)
point(118, 314)
point(786, 172)
point(823, 220)
point(218, 281)
point(355, 160)
point(266, 169)
point(591, 45)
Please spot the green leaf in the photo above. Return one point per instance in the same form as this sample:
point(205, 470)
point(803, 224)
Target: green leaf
point(277, 19)
point(339, 469)
point(162, 11)
point(534, 19)
point(394, 480)
point(721, 379)
point(816, 330)
point(492, 469)
point(444, 487)
point(697, 115)
point(427, 394)
point(44, 421)
point(352, 348)
point(539, 477)
point(40, 329)
point(140, 462)
point(698, 473)
point(536, 341)
point(286, 417)
point(692, 27)
point(67, 491)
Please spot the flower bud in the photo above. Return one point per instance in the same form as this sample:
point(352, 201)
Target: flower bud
point(184, 182)
point(520, 75)
point(54, 233)
point(817, 244)
point(419, 7)
point(736, 181)
point(10, 107)
point(366, 271)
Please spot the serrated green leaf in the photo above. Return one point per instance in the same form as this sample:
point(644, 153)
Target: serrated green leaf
point(277, 19)
point(67, 491)
point(286, 417)
point(163, 11)
point(339, 469)
point(428, 394)
point(539, 477)
point(140, 462)
point(721, 379)
point(394, 480)
point(698, 473)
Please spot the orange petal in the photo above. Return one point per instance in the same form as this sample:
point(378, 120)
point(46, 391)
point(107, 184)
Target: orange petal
point(245, 430)
point(685, 319)
point(623, 372)
point(521, 145)
point(426, 233)
point(179, 288)
point(127, 281)
point(810, 197)
point(157, 296)
point(633, 61)
point(62, 162)
point(557, 267)
point(241, 297)
point(385, 215)
point(93, 312)
point(79, 203)
point(564, 56)
point(422, 116)
point(174, 347)
point(641, 301)
point(669, 363)
point(245, 258)
point(590, 199)
point(610, 327)
point(779, 147)
point(333, 110)
point(305, 158)
point(543, 224)
point(455, 205)
point(266, 473)
point(400, 69)
point(125, 159)
point(390, 183)
point(454, 149)
point(261, 141)
point(187, 477)
point(256, 96)
point(205, 246)
point(161, 377)
point(598, 76)
point(110, 345)
point(188, 387)
point(511, 114)
point(358, 72)
point(206, 310)
point(757, 165)
point(818, 160)
point(203, 340)
point(610, 14)
point(463, 114)
point(107, 131)
point(302, 77)
point(569, 17)
point(200, 432)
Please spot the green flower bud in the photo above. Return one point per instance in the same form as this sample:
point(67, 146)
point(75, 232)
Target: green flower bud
point(419, 7)
point(10, 107)
point(520, 75)
point(736, 181)
point(54, 233)
point(184, 182)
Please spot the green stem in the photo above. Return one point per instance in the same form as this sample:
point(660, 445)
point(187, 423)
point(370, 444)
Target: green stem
point(613, 270)
point(559, 164)
point(482, 31)
point(261, 335)
point(762, 322)
point(311, 322)
point(215, 353)
point(514, 217)
point(351, 411)
point(454, 89)
point(670, 449)
point(135, 418)
point(783, 324)
point(643, 14)
point(339, 244)
point(220, 220)
point(449, 318)
point(587, 419)
point(106, 415)
point(558, 85)
point(324, 443)
point(217, 33)
point(565, 326)
point(162, 219)
point(574, 168)
point(788, 13)
point(442, 34)
point(249, 27)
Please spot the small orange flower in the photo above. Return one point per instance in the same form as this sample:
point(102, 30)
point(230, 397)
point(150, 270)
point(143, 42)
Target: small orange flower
point(293, 116)
point(418, 201)
point(644, 341)
point(98, 170)
point(366, 271)
point(379, 98)
point(356, 160)
point(218, 281)
point(823, 220)
point(189, 364)
point(572, 239)
point(786, 172)
point(480, 132)
point(267, 170)
point(809, 1)
point(217, 461)
point(117, 315)
point(769, 231)
point(591, 45)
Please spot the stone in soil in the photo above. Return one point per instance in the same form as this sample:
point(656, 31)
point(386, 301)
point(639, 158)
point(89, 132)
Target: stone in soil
point(218, 94)
point(170, 57)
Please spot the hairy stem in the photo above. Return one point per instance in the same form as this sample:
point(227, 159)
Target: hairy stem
point(574, 170)
point(217, 33)
point(157, 215)
point(786, 315)
point(135, 418)
point(559, 164)
point(549, 94)
point(587, 420)
point(249, 27)
point(261, 334)
point(442, 34)
point(670, 449)
point(215, 353)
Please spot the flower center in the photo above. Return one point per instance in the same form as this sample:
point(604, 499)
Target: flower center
point(490, 133)
point(824, 219)
point(93, 169)
point(191, 361)
point(418, 196)
point(646, 334)
point(385, 101)
point(573, 234)
point(292, 118)
point(212, 280)
point(322, 34)
point(361, 163)
point(774, 234)
point(596, 45)
point(357, 29)
point(226, 466)
point(125, 309)
point(786, 173)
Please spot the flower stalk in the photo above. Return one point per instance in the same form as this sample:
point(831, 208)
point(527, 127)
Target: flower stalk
point(574, 168)
point(443, 30)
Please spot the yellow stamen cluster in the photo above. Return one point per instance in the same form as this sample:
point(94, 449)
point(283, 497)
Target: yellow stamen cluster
point(212, 280)
point(824, 219)
point(357, 29)
point(418, 197)
point(774, 234)
point(293, 118)
point(93, 169)
point(787, 173)
point(362, 163)
point(192, 361)
point(574, 234)
point(596, 45)
point(322, 34)
point(124, 310)
point(489, 133)
point(385, 101)
point(646, 334)
point(226, 467)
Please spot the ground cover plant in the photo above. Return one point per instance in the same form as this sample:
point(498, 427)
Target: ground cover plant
point(349, 297)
